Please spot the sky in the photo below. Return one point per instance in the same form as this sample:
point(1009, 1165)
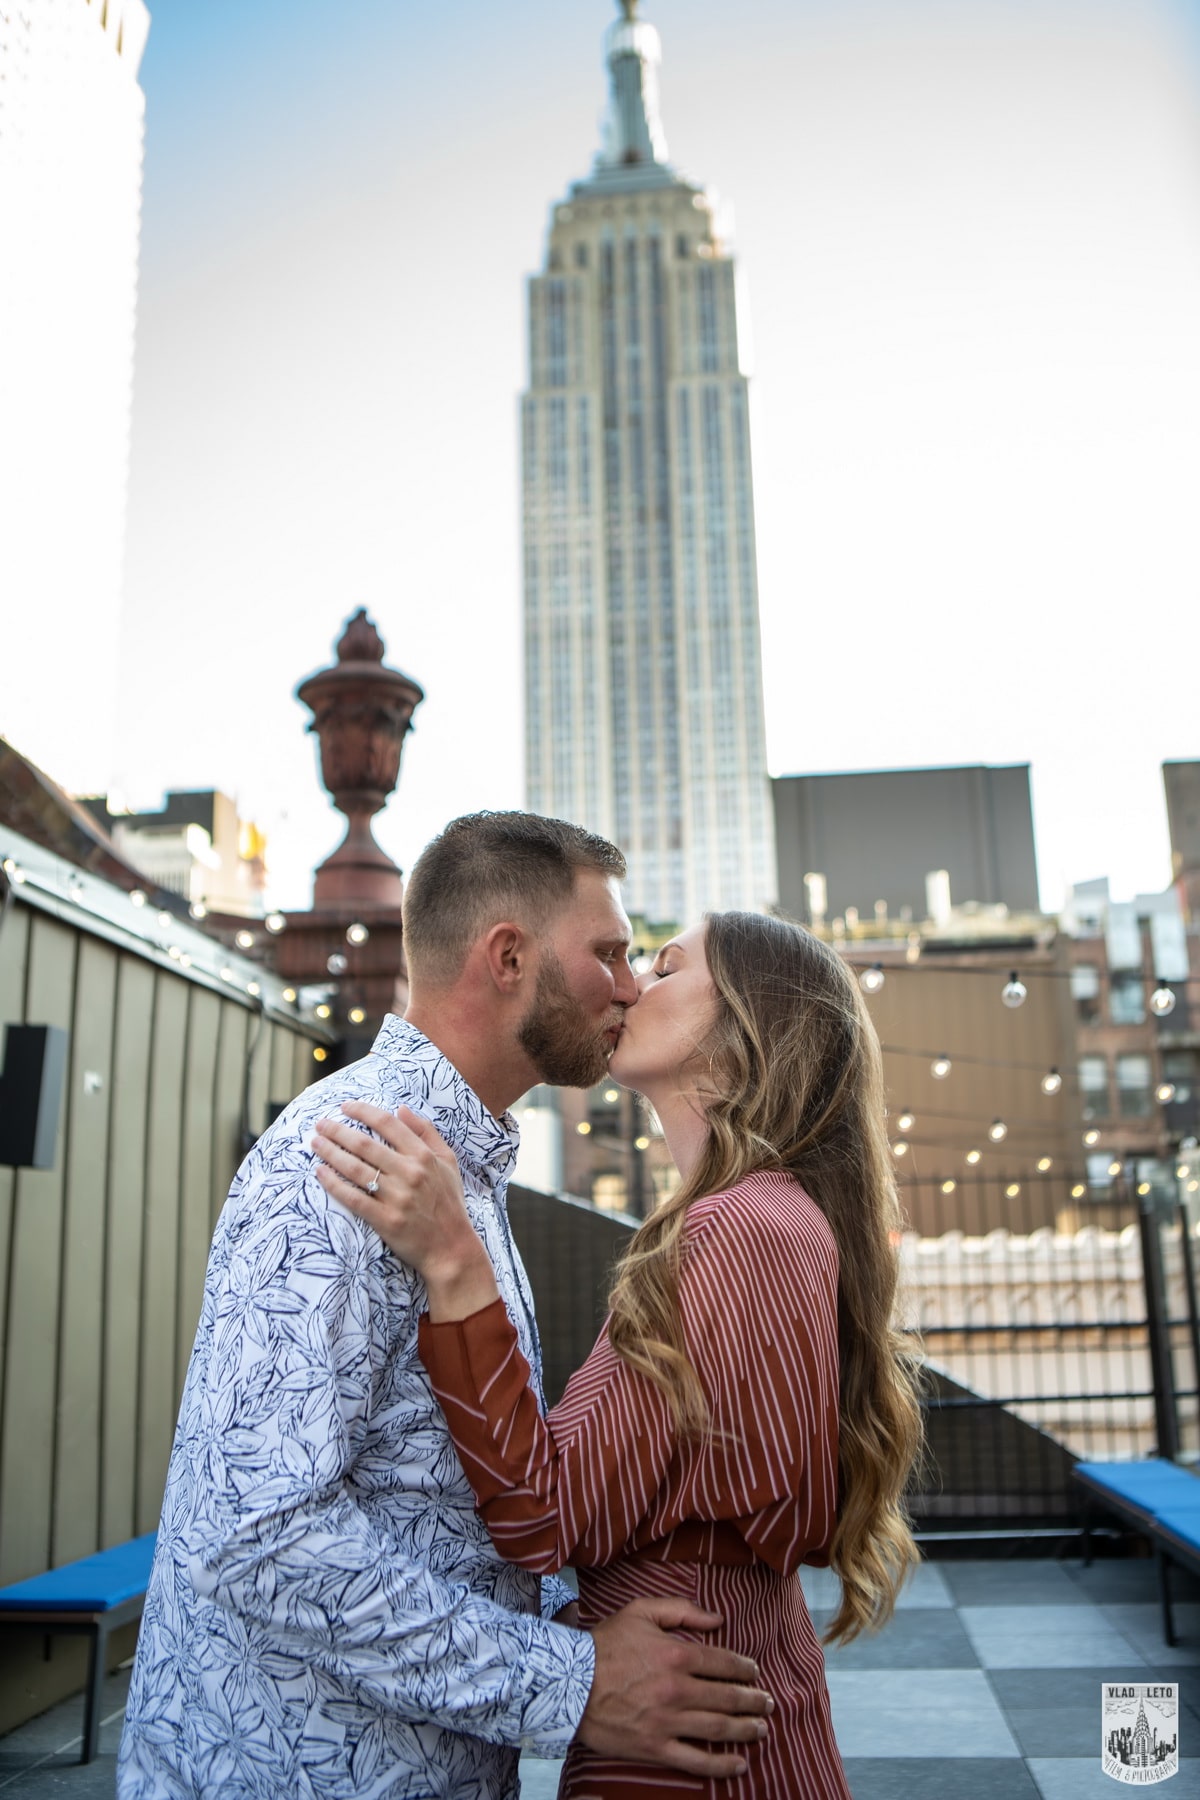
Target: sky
point(969, 232)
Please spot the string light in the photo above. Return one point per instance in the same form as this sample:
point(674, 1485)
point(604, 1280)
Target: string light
point(337, 964)
point(1044, 1163)
point(1052, 1082)
point(227, 973)
point(641, 1143)
point(136, 897)
point(611, 1095)
point(244, 940)
point(1114, 1168)
point(1091, 1139)
point(973, 1156)
point(253, 989)
point(583, 1128)
point(1162, 1000)
point(289, 995)
point(356, 1015)
point(900, 1148)
point(198, 909)
point(940, 1067)
point(1012, 1190)
point(872, 979)
point(1078, 1191)
point(906, 1121)
point(357, 934)
point(1165, 1092)
point(948, 1187)
point(319, 1053)
point(1143, 1187)
point(323, 1011)
point(997, 1131)
point(1014, 991)
point(274, 921)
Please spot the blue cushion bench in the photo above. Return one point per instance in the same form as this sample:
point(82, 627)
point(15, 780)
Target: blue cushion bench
point(1159, 1499)
point(93, 1595)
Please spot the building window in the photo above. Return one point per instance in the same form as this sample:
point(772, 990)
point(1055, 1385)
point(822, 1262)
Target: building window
point(1179, 1068)
point(1126, 999)
point(610, 1191)
point(1133, 1086)
point(581, 256)
point(1093, 1086)
point(1085, 987)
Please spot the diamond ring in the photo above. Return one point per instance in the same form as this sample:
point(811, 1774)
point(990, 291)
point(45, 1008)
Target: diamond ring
point(373, 1186)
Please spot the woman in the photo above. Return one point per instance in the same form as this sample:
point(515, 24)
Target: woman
point(748, 1406)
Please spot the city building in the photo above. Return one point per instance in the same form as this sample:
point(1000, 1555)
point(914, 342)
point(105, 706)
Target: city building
point(859, 842)
point(71, 117)
point(1181, 781)
point(195, 846)
point(1135, 978)
point(644, 710)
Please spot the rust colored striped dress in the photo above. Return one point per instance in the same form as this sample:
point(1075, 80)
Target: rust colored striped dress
point(724, 1521)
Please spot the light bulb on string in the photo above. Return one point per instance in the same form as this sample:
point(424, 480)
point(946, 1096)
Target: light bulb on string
point(872, 979)
point(244, 940)
point(1090, 1139)
point(1078, 1191)
point(1014, 991)
point(1114, 1168)
point(900, 1148)
point(1052, 1082)
point(1164, 1093)
point(1013, 1189)
point(997, 1131)
point(906, 1121)
point(1162, 1000)
point(973, 1156)
point(948, 1187)
point(275, 922)
point(940, 1067)
point(1143, 1187)
point(1181, 1170)
point(1044, 1163)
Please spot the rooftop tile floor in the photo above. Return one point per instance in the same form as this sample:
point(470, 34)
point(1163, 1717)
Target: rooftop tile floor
point(985, 1686)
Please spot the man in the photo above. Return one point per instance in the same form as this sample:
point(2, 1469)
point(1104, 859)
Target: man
point(327, 1616)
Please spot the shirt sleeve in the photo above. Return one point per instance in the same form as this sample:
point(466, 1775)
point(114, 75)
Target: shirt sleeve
point(759, 1301)
point(299, 1337)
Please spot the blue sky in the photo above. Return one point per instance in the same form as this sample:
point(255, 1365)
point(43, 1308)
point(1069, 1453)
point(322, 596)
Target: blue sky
point(970, 231)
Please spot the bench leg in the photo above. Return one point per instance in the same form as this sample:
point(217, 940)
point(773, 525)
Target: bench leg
point(1086, 1522)
point(1164, 1590)
point(97, 1658)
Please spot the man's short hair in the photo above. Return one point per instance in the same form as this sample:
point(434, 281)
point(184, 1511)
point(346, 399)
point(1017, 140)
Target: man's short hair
point(490, 866)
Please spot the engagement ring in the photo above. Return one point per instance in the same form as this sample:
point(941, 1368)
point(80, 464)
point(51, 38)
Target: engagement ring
point(373, 1186)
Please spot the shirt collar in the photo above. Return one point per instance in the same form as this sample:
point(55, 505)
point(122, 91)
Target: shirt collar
point(482, 1143)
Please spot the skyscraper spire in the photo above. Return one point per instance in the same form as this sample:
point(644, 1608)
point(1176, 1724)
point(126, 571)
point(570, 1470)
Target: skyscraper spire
point(633, 131)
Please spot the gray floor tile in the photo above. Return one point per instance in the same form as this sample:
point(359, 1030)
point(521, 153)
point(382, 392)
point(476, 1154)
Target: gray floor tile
point(1056, 1731)
point(1141, 1623)
point(822, 1590)
point(1007, 1582)
point(946, 1778)
point(1069, 1688)
point(921, 1638)
point(1046, 1637)
point(915, 1713)
point(1132, 1578)
point(539, 1778)
point(926, 1586)
point(1082, 1778)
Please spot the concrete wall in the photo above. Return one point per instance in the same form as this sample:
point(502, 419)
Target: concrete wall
point(875, 836)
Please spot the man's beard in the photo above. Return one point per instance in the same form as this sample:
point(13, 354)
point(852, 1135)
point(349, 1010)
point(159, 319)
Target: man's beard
point(565, 1047)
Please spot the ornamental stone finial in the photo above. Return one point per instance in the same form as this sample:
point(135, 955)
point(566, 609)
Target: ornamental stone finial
point(629, 8)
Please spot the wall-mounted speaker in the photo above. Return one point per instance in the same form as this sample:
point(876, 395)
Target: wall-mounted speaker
point(31, 1088)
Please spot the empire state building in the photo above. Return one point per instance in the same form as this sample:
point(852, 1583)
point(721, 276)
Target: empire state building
point(644, 709)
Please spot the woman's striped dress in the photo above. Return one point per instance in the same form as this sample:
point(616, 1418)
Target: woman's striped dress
point(724, 1520)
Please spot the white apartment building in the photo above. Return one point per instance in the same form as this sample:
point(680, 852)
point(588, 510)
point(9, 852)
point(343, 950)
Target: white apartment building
point(71, 121)
point(643, 678)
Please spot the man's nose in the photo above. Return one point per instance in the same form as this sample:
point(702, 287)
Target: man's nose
point(627, 990)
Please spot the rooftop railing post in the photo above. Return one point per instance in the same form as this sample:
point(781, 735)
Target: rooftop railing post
point(1150, 1220)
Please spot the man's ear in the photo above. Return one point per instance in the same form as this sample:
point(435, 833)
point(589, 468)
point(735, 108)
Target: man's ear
point(507, 956)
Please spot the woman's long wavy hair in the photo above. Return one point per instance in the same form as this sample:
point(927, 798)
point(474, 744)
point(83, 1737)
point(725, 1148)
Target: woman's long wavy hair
point(794, 1081)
